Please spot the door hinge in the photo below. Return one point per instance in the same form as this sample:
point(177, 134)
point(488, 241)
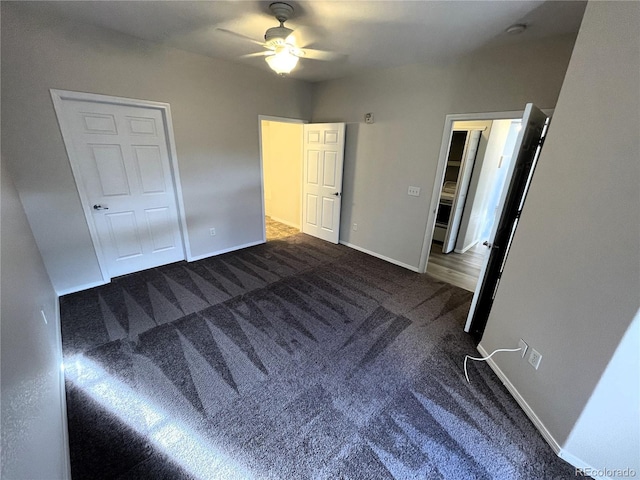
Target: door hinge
point(541, 141)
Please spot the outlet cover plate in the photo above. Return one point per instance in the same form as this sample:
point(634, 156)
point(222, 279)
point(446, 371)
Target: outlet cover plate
point(535, 358)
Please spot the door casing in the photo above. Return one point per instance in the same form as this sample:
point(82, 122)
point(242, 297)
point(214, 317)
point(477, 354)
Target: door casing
point(58, 97)
point(442, 163)
point(269, 118)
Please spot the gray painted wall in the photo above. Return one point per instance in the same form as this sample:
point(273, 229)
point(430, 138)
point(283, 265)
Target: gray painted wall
point(401, 149)
point(215, 107)
point(571, 283)
point(34, 443)
point(615, 400)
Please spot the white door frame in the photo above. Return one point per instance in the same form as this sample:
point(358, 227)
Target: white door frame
point(58, 97)
point(270, 118)
point(442, 163)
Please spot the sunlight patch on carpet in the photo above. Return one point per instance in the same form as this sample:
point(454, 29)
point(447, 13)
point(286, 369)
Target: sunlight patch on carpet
point(188, 449)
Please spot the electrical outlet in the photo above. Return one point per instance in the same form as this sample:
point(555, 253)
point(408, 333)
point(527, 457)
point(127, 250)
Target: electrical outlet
point(523, 345)
point(212, 232)
point(414, 191)
point(355, 227)
point(535, 358)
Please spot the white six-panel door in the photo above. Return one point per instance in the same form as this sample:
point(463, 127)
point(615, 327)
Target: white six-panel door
point(323, 151)
point(123, 161)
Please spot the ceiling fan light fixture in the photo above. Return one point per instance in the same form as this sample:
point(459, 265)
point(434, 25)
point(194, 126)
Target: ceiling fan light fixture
point(282, 62)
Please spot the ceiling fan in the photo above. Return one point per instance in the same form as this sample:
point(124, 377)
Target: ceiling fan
point(283, 50)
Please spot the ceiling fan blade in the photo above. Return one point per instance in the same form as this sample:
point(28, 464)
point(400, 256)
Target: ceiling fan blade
point(243, 37)
point(312, 54)
point(266, 53)
point(302, 36)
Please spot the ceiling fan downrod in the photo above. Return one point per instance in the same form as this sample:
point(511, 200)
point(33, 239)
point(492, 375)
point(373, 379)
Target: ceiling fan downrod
point(282, 12)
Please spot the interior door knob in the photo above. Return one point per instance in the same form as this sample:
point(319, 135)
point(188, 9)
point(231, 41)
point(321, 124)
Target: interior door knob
point(337, 194)
point(100, 207)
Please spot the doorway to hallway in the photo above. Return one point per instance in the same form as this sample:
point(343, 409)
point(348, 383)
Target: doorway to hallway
point(281, 151)
point(468, 204)
point(275, 230)
point(302, 167)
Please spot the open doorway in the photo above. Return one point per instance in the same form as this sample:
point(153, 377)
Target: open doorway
point(301, 166)
point(281, 153)
point(478, 153)
point(524, 155)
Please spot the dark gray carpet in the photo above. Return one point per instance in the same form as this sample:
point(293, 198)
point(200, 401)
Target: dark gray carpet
point(297, 359)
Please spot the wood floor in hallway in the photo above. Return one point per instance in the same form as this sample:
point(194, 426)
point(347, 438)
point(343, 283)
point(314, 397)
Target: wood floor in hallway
point(460, 269)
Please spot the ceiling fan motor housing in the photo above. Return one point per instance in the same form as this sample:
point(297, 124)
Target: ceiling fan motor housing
point(274, 34)
point(277, 35)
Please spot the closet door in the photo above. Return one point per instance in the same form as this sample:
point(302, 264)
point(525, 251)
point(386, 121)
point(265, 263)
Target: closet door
point(464, 178)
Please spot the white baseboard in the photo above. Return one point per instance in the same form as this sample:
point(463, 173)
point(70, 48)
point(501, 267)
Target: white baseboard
point(562, 453)
point(225, 250)
point(87, 286)
point(286, 222)
point(579, 464)
point(522, 402)
point(79, 288)
point(465, 249)
point(381, 257)
point(66, 461)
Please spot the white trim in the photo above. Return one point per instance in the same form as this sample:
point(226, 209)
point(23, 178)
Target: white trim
point(578, 463)
point(382, 257)
point(227, 250)
point(269, 118)
point(177, 182)
point(442, 162)
point(79, 288)
point(463, 250)
point(522, 402)
point(58, 96)
point(548, 437)
point(66, 461)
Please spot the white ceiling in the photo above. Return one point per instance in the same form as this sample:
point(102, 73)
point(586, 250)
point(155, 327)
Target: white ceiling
point(372, 34)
